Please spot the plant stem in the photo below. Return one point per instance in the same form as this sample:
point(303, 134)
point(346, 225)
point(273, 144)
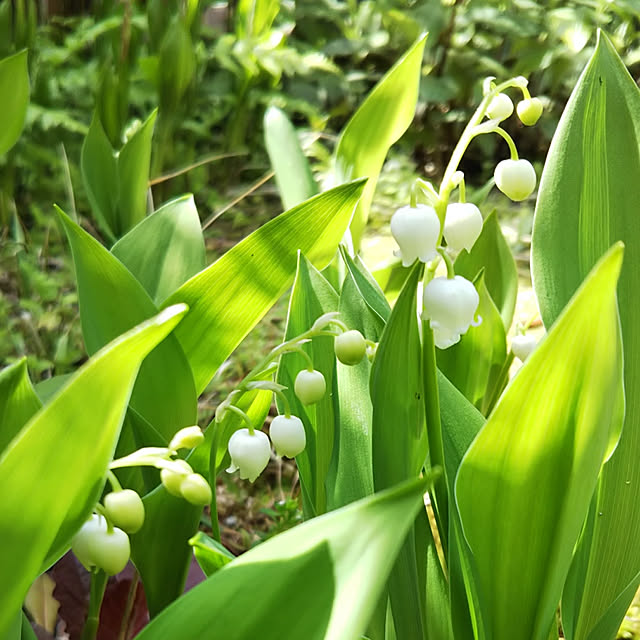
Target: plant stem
point(98, 584)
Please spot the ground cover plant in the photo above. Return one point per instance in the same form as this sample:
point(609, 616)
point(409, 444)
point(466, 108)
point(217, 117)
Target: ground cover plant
point(442, 496)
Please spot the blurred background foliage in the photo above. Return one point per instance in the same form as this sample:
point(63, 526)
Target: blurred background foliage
point(212, 69)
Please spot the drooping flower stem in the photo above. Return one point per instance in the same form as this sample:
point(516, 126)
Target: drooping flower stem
point(98, 584)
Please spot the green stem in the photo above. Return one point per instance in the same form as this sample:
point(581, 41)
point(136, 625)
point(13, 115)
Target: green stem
point(434, 433)
point(448, 262)
point(494, 394)
point(98, 584)
point(113, 481)
point(244, 416)
point(512, 145)
point(285, 402)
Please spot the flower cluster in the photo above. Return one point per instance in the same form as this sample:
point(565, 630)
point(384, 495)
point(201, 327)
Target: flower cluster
point(103, 542)
point(436, 229)
point(250, 448)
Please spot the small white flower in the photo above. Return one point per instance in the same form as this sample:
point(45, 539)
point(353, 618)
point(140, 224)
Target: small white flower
point(462, 225)
point(288, 436)
point(522, 346)
point(416, 230)
point(310, 386)
point(500, 108)
point(249, 453)
point(450, 305)
point(515, 178)
point(529, 111)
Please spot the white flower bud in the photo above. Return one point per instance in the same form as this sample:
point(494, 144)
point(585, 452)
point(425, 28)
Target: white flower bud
point(310, 386)
point(288, 436)
point(350, 347)
point(125, 509)
point(450, 305)
point(110, 550)
point(522, 346)
point(196, 490)
point(416, 230)
point(172, 479)
point(462, 226)
point(80, 542)
point(529, 111)
point(500, 108)
point(515, 178)
point(249, 453)
point(187, 438)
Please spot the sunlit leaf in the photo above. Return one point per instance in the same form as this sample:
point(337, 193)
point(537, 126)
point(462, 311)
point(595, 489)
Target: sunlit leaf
point(588, 199)
point(229, 298)
point(526, 482)
point(57, 464)
point(293, 173)
point(332, 568)
point(14, 89)
point(18, 401)
point(378, 123)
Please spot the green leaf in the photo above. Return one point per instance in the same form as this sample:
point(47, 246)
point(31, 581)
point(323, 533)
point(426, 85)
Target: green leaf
point(54, 470)
point(311, 297)
point(165, 249)
point(18, 401)
point(117, 182)
point(350, 475)
point(293, 173)
point(229, 298)
point(526, 482)
point(491, 253)
point(333, 568)
point(588, 199)
point(14, 89)
point(160, 550)
point(476, 361)
point(378, 123)
point(255, 17)
point(111, 302)
point(399, 442)
point(209, 553)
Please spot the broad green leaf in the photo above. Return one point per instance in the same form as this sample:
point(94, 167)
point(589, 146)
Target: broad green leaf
point(399, 442)
point(477, 360)
point(14, 89)
point(56, 466)
point(332, 568)
point(229, 298)
point(100, 176)
point(255, 17)
point(290, 165)
point(350, 476)
point(491, 253)
point(165, 249)
point(526, 482)
point(461, 422)
point(368, 289)
point(588, 199)
point(18, 401)
point(111, 302)
point(160, 550)
point(391, 278)
point(210, 554)
point(379, 122)
point(311, 297)
point(116, 182)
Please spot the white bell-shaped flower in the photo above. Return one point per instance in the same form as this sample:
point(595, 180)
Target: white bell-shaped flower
point(288, 436)
point(515, 178)
point(522, 346)
point(450, 305)
point(529, 111)
point(462, 225)
point(310, 386)
point(249, 453)
point(416, 230)
point(500, 108)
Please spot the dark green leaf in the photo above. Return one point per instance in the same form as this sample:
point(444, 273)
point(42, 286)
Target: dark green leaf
point(14, 89)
